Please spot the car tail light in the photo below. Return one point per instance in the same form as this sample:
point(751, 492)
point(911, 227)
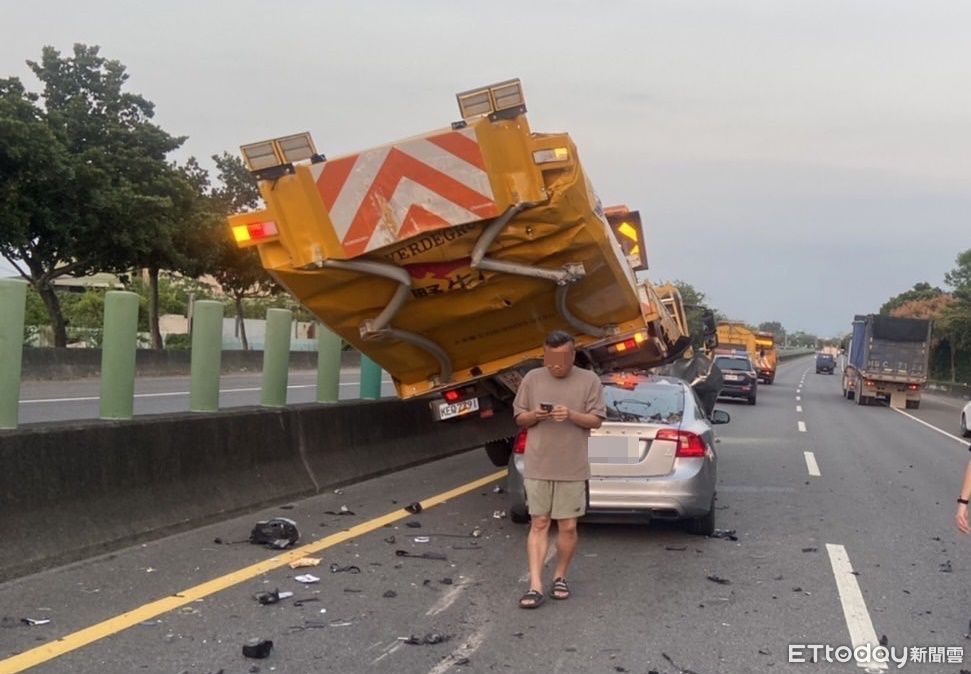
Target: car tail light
point(913, 387)
point(690, 445)
point(452, 396)
point(520, 445)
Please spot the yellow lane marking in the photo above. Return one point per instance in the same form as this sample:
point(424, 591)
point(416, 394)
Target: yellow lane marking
point(81, 638)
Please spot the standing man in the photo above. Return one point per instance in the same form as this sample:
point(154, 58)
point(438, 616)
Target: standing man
point(961, 516)
point(559, 404)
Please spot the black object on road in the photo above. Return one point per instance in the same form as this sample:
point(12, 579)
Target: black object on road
point(429, 639)
point(278, 533)
point(337, 568)
point(719, 580)
point(257, 648)
point(414, 507)
point(423, 555)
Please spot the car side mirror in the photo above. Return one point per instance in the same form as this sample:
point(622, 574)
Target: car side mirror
point(720, 417)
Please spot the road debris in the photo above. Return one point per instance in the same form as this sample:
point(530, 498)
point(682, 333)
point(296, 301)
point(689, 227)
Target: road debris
point(499, 514)
point(35, 621)
point(344, 510)
point(350, 568)
point(277, 533)
point(498, 490)
point(423, 555)
point(719, 580)
point(390, 594)
point(305, 562)
point(946, 567)
point(307, 579)
point(257, 648)
point(422, 539)
point(728, 534)
point(415, 507)
point(810, 549)
point(676, 548)
point(413, 525)
point(390, 540)
point(300, 602)
point(274, 597)
point(429, 639)
point(476, 533)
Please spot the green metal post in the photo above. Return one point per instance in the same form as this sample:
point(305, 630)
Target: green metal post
point(13, 298)
point(276, 358)
point(207, 350)
point(328, 365)
point(370, 379)
point(118, 354)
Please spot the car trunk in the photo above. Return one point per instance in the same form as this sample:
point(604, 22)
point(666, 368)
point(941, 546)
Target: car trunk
point(630, 450)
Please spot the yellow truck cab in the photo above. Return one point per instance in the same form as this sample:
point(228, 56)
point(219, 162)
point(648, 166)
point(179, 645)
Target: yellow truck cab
point(449, 256)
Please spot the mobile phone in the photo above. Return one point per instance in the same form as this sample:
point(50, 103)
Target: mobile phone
point(546, 407)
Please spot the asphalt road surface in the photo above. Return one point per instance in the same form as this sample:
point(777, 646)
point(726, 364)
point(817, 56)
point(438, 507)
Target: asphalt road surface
point(852, 542)
point(42, 401)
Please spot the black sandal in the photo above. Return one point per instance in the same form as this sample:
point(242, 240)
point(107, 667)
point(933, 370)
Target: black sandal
point(560, 589)
point(531, 599)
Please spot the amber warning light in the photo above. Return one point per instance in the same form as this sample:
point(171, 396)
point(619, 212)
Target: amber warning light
point(253, 233)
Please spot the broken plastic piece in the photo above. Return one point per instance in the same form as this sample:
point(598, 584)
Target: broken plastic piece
point(423, 555)
point(429, 639)
point(300, 602)
point(267, 598)
point(337, 568)
point(724, 533)
point(413, 525)
point(389, 539)
point(498, 490)
point(414, 507)
point(422, 539)
point(307, 578)
point(499, 514)
point(305, 562)
point(278, 533)
point(390, 594)
point(476, 533)
point(257, 648)
point(35, 621)
point(719, 580)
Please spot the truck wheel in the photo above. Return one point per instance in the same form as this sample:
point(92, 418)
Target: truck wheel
point(704, 525)
point(850, 395)
point(913, 404)
point(499, 452)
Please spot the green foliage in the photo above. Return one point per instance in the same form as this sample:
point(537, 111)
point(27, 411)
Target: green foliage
point(178, 342)
point(920, 291)
point(775, 327)
point(694, 307)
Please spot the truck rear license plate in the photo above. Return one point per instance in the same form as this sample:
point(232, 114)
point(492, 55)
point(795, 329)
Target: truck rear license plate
point(461, 408)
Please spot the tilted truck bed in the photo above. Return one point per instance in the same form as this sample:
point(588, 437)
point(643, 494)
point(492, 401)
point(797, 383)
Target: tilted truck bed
point(449, 256)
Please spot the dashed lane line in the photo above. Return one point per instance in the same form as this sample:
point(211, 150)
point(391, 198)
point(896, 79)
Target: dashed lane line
point(802, 426)
point(119, 623)
point(930, 426)
point(811, 464)
point(799, 408)
point(857, 617)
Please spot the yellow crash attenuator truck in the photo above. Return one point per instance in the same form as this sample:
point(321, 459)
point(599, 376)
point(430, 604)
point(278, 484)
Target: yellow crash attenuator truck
point(449, 256)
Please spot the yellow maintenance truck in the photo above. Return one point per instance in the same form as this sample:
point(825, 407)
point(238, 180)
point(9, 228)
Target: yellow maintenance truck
point(449, 256)
point(760, 347)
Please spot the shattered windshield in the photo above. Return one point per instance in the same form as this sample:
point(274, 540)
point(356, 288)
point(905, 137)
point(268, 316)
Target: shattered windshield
point(645, 403)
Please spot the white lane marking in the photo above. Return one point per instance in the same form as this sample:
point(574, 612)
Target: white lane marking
point(389, 649)
point(854, 607)
point(447, 599)
point(799, 408)
point(798, 397)
point(802, 426)
point(811, 464)
point(931, 426)
point(171, 394)
point(549, 555)
point(465, 650)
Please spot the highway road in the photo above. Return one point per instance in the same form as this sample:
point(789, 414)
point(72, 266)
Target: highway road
point(42, 401)
point(843, 516)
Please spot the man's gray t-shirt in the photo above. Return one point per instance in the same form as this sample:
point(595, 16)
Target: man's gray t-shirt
point(557, 450)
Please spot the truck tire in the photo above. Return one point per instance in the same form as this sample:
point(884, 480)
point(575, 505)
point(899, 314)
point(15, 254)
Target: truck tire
point(913, 404)
point(499, 452)
point(850, 395)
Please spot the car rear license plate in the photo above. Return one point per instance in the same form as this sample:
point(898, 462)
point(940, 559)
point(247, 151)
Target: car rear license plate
point(732, 377)
point(461, 408)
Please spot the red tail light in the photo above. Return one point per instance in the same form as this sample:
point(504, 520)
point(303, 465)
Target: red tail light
point(690, 445)
point(913, 387)
point(520, 446)
point(452, 396)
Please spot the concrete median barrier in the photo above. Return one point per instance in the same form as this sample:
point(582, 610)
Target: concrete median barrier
point(73, 490)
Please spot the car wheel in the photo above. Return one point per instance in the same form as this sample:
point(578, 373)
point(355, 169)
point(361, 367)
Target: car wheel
point(965, 431)
point(751, 400)
point(704, 525)
point(499, 452)
point(519, 514)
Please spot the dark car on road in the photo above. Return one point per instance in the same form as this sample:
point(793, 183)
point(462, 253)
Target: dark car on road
point(740, 378)
point(825, 363)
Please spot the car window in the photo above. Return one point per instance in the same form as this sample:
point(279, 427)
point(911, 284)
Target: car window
point(644, 402)
point(733, 363)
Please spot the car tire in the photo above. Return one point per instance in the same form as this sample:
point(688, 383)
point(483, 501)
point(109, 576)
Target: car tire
point(519, 514)
point(499, 452)
point(751, 400)
point(965, 431)
point(704, 525)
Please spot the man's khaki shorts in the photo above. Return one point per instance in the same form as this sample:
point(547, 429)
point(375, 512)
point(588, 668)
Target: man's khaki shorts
point(556, 499)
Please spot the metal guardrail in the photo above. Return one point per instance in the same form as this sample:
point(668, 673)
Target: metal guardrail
point(952, 389)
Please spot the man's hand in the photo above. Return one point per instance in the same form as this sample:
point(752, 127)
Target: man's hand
point(541, 414)
point(560, 413)
point(961, 518)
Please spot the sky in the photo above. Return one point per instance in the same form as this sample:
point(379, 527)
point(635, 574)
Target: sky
point(796, 161)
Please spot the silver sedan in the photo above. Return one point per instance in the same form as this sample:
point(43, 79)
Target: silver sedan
point(966, 421)
point(653, 458)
